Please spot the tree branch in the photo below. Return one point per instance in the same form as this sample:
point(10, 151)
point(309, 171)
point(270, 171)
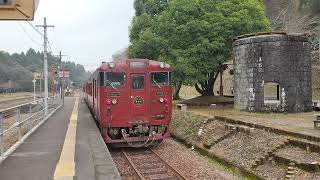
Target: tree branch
point(198, 89)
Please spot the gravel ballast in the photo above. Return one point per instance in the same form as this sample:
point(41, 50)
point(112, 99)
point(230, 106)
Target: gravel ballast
point(188, 162)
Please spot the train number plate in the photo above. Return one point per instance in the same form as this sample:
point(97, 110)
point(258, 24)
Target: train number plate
point(161, 93)
point(113, 94)
point(138, 101)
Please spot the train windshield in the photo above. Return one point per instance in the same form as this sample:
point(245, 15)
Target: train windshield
point(161, 78)
point(112, 79)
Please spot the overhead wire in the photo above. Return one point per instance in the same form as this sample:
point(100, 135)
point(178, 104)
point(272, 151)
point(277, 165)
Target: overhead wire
point(35, 28)
point(25, 31)
point(39, 32)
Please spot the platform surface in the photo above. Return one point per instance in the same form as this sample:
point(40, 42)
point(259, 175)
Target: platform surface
point(67, 146)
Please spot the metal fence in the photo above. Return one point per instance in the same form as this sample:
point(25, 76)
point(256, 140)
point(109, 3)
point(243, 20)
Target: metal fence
point(18, 122)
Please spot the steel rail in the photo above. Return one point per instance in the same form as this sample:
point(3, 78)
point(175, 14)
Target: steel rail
point(20, 105)
point(132, 165)
point(168, 165)
point(29, 103)
point(17, 99)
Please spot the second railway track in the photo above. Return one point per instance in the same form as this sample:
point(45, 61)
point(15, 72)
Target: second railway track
point(145, 164)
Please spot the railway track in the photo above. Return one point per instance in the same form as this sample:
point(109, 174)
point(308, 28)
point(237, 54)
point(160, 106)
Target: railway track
point(146, 164)
point(13, 102)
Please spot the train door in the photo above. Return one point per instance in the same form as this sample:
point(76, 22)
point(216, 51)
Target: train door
point(138, 98)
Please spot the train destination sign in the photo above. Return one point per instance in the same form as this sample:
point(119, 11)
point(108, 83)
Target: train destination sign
point(65, 74)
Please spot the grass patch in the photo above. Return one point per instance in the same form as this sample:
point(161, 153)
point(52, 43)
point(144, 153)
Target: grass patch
point(185, 125)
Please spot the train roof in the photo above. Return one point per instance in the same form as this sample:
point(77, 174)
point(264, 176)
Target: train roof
point(134, 64)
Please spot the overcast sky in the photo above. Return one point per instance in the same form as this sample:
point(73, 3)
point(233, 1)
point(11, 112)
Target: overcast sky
point(89, 32)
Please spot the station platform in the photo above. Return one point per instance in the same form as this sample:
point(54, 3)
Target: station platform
point(67, 146)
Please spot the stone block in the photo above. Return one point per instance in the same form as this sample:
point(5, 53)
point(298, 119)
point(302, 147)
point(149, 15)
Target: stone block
point(285, 59)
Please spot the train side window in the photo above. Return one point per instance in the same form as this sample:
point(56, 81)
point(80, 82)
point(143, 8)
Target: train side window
point(137, 81)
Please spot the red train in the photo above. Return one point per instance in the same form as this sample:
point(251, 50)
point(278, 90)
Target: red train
point(131, 101)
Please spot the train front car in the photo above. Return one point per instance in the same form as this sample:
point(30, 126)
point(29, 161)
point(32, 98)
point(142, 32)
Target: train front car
point(135, 102)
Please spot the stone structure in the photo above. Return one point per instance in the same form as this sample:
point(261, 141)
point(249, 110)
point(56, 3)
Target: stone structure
point(279, 59)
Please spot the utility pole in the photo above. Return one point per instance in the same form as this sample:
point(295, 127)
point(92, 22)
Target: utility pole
point(61, 79)
point(40, 85)
point(34, 89)
point(45, 68)
point(52, 77)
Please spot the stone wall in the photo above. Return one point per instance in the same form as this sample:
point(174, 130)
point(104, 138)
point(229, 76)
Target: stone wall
point(273, 58)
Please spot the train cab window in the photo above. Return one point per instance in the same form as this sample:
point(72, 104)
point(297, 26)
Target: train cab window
point(137, 81)
point(114, 79)
point(160, 78)
point(101, 79)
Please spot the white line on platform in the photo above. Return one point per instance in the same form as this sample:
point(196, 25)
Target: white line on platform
point(65, 169)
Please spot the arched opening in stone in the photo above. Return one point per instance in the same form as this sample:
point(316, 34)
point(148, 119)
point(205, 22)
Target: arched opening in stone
point(272, 92)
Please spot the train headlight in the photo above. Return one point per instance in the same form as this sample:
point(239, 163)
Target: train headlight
point(162, 65)
point(112, 65)
point(161, 100)
point(114, 101)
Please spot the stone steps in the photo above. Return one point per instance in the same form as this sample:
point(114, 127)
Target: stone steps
point(269, 155)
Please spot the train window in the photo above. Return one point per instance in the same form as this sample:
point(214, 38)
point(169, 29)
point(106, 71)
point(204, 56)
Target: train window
point(114, 79)
point(137, 81)
point(160, 78)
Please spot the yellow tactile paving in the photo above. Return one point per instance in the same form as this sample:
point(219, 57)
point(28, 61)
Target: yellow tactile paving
point(65, 168)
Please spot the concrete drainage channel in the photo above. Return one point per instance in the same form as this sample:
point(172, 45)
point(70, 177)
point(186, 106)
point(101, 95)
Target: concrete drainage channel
point(257, 152)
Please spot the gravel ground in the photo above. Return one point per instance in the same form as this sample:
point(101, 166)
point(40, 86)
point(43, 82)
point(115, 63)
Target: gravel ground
point(242, 149)
point(271, 171)
point(189, 163)
point(300, 174)
point(299, 155)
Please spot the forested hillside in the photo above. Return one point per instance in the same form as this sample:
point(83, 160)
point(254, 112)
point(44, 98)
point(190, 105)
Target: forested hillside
point(19, 68)
point(299, 16)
